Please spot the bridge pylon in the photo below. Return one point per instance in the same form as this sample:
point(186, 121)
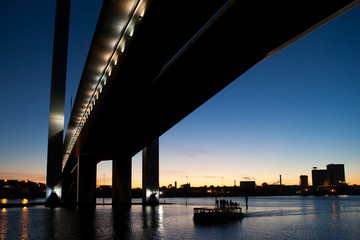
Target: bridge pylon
point(150, 174)
point(57, 104)
point(121, 181)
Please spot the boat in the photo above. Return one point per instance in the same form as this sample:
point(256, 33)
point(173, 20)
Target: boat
point(217, 214)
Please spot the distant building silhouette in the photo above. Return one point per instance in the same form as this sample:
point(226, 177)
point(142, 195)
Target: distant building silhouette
point(304, 181)
point(337, 174)
point(320, 177)
point(21, 189)
point(247, 184)
point(187, 185)
point(333, 175)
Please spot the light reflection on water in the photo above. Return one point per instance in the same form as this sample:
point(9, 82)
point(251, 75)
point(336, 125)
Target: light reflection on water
point(267, 218)
point(334, 214)
point(153, 222)
point(3, 224)
point(24, 223)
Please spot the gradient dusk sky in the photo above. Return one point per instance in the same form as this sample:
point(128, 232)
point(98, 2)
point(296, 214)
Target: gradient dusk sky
point(296, 110)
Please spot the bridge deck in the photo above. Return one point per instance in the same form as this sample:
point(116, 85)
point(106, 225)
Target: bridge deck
point(179, 56)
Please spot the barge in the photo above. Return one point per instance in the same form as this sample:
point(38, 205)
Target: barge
point(218, 214)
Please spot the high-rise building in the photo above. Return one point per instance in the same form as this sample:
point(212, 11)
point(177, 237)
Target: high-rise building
point(337, 173)
point(304, 181)
point(320, 177)
point(333, 175)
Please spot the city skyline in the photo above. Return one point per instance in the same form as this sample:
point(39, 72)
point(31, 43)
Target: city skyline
point(340, 167)
point(296, 110)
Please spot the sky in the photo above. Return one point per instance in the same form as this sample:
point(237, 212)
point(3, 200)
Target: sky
point(296, 110)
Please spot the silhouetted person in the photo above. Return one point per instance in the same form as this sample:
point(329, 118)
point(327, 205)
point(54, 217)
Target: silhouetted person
point(246, 201)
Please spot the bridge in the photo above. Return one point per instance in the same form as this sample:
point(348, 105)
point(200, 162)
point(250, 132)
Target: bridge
point(150, 64)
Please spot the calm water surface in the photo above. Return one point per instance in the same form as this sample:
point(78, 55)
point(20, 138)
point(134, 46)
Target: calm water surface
point(267, 218)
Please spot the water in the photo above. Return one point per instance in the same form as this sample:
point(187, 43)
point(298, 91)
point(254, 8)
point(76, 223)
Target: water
point(292, 217)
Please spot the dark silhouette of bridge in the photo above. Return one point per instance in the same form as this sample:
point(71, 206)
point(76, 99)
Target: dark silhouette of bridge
point(151, 63)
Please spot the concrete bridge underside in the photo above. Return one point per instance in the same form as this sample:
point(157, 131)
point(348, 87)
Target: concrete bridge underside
point(178, 57)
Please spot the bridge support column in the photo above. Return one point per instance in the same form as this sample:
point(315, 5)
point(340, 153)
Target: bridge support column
point(150, 174)
point(69, 187)
point(57, 104)
point(86, 181)
point(121, 181)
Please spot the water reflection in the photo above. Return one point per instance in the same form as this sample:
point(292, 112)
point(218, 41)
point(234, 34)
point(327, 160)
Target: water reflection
point(334, 213)
point(24, 223)
point(161, 220)
point(86, 222)
point(306, 218)
point(121, 222)
point(71, 223)
point(152, 219)
point(3, 223)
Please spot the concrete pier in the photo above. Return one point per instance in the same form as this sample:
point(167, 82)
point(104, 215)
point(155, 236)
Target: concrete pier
point(69, 186)
point(86, 181)
point(121, 181)
point(150, 171)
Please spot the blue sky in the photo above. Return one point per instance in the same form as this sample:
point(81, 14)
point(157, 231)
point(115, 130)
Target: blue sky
point(296, 110)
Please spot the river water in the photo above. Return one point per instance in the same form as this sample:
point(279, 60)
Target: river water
point(285, 217)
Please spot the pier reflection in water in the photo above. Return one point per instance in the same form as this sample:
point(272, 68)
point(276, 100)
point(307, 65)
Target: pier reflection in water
point(101, 222)
point(106, 222)
point(153, 222)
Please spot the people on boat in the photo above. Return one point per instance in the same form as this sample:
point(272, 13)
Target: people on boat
point(222, 203)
